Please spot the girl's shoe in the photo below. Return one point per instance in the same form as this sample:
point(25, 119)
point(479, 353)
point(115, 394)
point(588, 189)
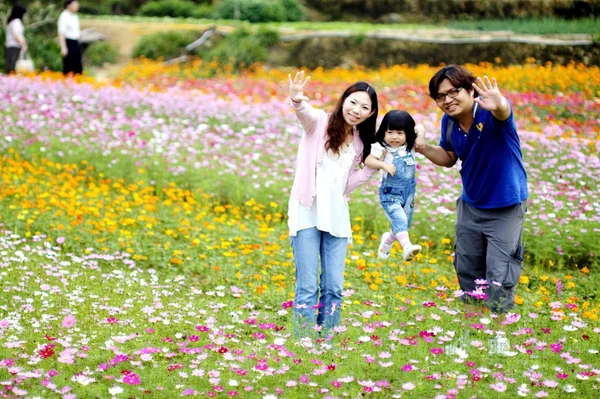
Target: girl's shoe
point(411, 251)
point(384, 249)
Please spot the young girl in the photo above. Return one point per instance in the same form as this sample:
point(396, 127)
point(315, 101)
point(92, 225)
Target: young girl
point(327, 169)
point(395, 141)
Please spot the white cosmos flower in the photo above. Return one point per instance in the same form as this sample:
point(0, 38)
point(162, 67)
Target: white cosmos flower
point(569, 388)
point(115, 390)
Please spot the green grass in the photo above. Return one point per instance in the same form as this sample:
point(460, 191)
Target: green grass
point(357, 27)
point(540, 26)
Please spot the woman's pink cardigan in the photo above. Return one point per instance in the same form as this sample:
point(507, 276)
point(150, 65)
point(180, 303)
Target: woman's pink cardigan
point(311, 151)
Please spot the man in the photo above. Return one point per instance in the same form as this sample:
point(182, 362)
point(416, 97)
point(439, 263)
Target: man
point(478, 128)
point(68, 37)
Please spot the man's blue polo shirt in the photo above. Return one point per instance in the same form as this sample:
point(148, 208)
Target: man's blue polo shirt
point(492, 172)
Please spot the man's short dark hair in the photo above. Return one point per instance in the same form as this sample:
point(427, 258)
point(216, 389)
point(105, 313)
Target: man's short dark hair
point(457, 75)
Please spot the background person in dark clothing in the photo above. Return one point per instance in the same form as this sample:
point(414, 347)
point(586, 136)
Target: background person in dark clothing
point(68, 36)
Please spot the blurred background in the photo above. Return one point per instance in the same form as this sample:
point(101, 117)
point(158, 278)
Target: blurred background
point(319, 33)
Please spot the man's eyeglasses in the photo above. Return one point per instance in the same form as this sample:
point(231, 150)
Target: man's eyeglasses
point(451, 93)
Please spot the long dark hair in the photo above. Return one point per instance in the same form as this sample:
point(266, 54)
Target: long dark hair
point(457, 75)
point(398, 120)
point(336, 133)
point(17, 12)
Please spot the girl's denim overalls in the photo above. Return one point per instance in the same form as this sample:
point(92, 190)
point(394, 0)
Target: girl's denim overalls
point(397, 193)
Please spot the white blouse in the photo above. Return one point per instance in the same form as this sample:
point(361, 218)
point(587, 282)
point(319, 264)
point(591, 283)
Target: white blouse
point(14, 30)
point(68, 25)
point(377, 150)
point(329, 211)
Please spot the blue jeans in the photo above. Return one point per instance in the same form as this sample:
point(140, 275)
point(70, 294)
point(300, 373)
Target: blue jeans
point(397, 193)
point(307, 246)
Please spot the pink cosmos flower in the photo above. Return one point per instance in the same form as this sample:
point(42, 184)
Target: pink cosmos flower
point(499, 387)
point(437, 351)
point(69, 321)
point(132, 379)
point(550, 383)
point(556, 348)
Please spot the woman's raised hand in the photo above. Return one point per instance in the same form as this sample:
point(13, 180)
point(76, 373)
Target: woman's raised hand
point(296, 87)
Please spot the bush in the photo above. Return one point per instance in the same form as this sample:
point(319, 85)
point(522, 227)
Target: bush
point(119, 7)
point(452, 9)
point(168, 8)
point(45, 52)
point(260, 10)
point(165, 45)
point(203, 11)
point(176, 9)
point(242, 48)
point(99, 53)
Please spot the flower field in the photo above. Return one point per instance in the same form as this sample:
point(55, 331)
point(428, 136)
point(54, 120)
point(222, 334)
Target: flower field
point(145, 251)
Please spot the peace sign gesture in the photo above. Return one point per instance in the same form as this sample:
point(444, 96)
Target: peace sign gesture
point(296, 87)
point(489, 96)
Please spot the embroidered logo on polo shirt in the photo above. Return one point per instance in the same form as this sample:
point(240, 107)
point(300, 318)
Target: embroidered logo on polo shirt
point(480, 126)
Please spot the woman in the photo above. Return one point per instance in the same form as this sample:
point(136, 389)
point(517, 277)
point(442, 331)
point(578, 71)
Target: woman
point(15, 39)
point(68, 37)
point(332, 149)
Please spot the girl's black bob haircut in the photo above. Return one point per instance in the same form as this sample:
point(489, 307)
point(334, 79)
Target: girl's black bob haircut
point(398, 120)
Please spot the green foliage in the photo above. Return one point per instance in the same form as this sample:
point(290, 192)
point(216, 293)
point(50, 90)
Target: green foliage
point(369, 52)
point(293, 9)
point(168, 8)
point(203, 11)
point(452, 9)
point(99, 53)
point(164, 44)
point(548, 25)
point(260, 10)
point(242, 48)
point(119, 7)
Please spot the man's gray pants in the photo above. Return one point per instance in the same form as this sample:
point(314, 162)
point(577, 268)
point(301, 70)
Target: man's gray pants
point(489, 247)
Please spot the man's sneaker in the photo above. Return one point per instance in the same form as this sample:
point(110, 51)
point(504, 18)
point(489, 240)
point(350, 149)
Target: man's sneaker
point(411, 251)
point(384, 249)
point(498, 345)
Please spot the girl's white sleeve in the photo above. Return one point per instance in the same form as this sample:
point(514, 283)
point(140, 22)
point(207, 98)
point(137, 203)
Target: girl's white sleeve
point(376, 150)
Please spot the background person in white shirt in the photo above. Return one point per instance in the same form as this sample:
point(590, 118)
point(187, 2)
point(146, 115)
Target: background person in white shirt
point(15, 39)
point(68, 37)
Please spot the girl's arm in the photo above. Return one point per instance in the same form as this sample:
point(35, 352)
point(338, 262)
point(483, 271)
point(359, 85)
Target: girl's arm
point(358, 177)
point(373, 162)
